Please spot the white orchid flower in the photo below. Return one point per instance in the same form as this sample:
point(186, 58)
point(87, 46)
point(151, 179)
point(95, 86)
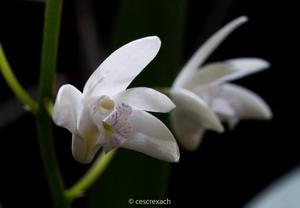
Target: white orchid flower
point(109, 116)
point(203, 98)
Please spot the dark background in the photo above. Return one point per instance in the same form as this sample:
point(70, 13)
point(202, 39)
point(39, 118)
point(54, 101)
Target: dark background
point(227, 170)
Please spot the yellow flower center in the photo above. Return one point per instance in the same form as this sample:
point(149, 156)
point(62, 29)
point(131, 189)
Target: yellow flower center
point(107, 104)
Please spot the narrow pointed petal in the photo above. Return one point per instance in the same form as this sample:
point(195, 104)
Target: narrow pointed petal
point(82, 151)
point(220, 72)
point(67, 107)
point(146, 99)
point(248, 104)
point(122, 66)
point(245, 67)
point(206, 49)
point(188, 132)
point(151, 137)
point(191, 105)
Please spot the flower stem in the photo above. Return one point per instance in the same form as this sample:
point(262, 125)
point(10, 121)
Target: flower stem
point(55, 182)
point(90, 177)
point(52, 19)
point(14, 84)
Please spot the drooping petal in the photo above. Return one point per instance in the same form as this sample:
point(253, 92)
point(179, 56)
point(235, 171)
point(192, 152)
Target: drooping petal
point(222, 106)
point(85, 124)
point(205, 50)
point(83, 151)
point(226, 112)
point(88, 136)
point(247, 104)
point(191, 105)
point(151, 137)
point(188, 132)
point(147, 99)
point(67, 107)
point(122, 66)
point(220, 72)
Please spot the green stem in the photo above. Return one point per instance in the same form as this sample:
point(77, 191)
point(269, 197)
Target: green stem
point(14, 84)
point(52, 19)
point(50, 47)
point(90, 177)
point(55, 182)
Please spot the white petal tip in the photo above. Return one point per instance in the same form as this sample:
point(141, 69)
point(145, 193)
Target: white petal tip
point(176, 160)
point(216, 125)
point(258, 63)
point(172, 106)
point(242, 19)
point(176, 155)
point(155, 39)
point(191, 146)
point(265, 64)
point(173, 153)
point(263, 111)
point(237, 22)
point(81, 161)
point(192, 142)
point(268, 114)
point(220, 129)
point(80, 150)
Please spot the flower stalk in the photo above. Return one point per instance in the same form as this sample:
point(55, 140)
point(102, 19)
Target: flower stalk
point(14, 84)
point(90, 177)
point(52, 19)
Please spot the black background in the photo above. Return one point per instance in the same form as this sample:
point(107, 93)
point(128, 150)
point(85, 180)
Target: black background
point(227, 170)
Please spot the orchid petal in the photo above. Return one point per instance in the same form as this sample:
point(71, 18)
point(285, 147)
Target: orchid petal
point(221, 106)
point(194, 107)
point(226, 112)
point(245, 67)
point(85, 124)
point(188, 132)
point(205, 50)
point(89, 135)
point(67, 107)
point(147, 99)
point(122, 66)
point(217, 73)
point(82, 151)
point(151, 137)
point(248, 104)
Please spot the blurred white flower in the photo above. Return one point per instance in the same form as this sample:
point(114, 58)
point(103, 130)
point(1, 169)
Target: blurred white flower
point(109, 116)
point(203, 98)
point(284, 192)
